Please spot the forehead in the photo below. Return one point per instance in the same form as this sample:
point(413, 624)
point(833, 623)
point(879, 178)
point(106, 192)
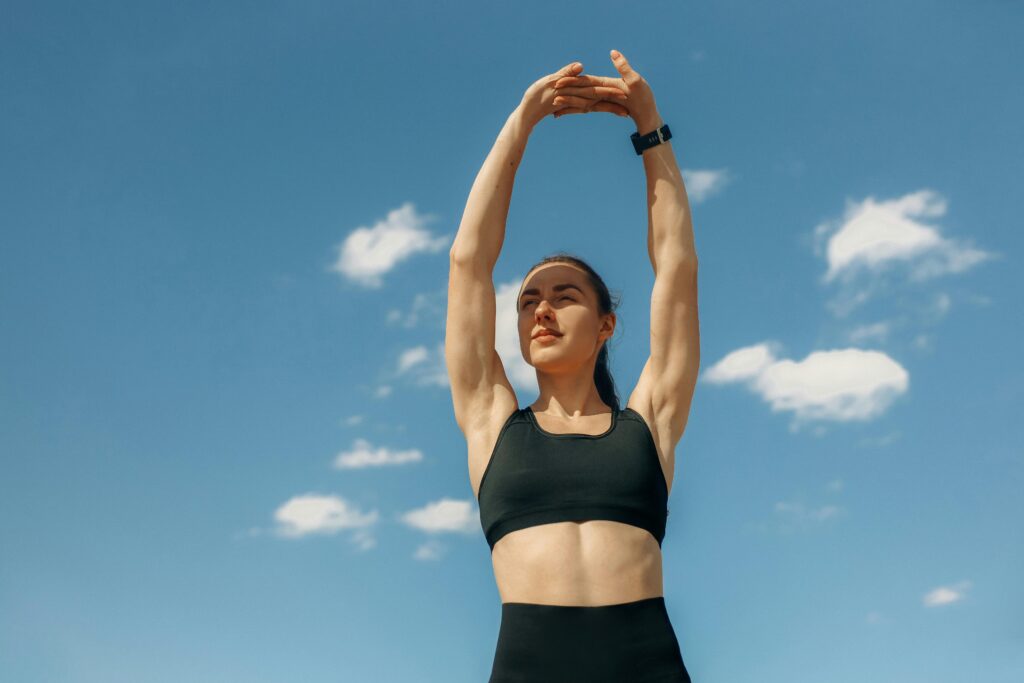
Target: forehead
point(554, 273)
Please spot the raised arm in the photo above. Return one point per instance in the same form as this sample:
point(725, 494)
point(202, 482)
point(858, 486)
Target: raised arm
point(666, 384)
point(478, 383)
point(475, 371)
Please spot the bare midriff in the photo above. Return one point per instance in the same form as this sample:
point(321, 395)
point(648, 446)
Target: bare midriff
point(590, 563)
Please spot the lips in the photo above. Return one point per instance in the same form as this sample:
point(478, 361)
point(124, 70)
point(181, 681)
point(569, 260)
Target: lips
point(545, 331)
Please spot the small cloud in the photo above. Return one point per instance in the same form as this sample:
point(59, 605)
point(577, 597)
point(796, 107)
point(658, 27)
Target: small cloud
point(697, 55)
point(945, 595)
point(874, 618)
point(867, 333)
point(427, 366)
point(352, 420)
point(445, 515)
point(836, 485)
point(363, 539)
point(382, 391)
point(368, 254)
point(313, 513)
point(704, 183)
point(428, 551)
point(426, 304)
point(363, 455)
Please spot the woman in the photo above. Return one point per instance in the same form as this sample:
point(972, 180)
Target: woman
point(573, 490)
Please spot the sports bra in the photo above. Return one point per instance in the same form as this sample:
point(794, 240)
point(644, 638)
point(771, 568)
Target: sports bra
point(535, 477)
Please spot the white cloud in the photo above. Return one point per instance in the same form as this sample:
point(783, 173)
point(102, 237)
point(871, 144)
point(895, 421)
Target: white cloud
point(944, 595)
point(445, 515)
point(367, 254)
point(873, 236)
point(838, 385)
point(427, 366)
point(312, 513)
point(704, 183)
point(411, 357)
point(364, 455)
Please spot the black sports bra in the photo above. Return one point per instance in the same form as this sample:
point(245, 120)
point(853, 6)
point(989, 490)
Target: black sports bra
point(535, 477)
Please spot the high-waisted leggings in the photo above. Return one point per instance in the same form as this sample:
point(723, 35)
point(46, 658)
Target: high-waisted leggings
point(629, 642)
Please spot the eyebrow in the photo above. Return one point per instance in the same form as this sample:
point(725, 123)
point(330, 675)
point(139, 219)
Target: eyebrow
point(557, 288)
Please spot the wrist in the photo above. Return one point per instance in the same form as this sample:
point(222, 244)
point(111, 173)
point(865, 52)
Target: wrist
point(521, 120)
point(648, 123)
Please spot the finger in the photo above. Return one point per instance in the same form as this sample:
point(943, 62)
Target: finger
point(569, 110)
point(610, 107)
point(628, 74)
point(570, 69)
point(588, 79)
point(573, 101)
point(594, 92)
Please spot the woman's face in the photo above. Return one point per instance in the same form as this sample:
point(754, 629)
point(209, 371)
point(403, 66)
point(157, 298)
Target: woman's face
point(559, 297)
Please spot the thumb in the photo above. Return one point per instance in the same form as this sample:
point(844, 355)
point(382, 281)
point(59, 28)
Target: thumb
point(619, 60)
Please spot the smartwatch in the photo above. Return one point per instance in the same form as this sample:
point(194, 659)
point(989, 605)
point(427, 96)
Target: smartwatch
point(655, 137)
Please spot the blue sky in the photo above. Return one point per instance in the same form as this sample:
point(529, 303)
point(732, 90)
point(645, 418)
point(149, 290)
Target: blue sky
point(229, 451)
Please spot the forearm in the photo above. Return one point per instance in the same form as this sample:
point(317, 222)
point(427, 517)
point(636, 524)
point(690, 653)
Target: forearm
point(670, 229)
point(482, 228)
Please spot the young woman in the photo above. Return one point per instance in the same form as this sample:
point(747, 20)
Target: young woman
point(573, 491)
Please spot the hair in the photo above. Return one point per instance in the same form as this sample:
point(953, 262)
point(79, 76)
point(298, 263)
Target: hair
point(607, 303)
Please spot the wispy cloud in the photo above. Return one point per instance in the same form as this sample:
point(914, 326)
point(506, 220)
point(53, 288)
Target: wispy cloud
point(945, 595)
point(701, 184)
point(363, 455)
point(873, 238)
point(367, 254)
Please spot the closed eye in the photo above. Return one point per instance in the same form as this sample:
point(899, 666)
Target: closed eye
point(527, 303)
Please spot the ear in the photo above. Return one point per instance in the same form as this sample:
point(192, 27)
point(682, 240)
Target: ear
point(608, 325)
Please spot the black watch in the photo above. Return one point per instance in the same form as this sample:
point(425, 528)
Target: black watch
point(655, 137)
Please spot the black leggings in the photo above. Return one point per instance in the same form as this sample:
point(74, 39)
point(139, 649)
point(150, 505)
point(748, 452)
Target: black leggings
point(629, 642)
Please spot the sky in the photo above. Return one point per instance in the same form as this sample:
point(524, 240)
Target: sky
point(228, 447)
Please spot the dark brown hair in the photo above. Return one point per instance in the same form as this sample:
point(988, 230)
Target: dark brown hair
point(607, 303)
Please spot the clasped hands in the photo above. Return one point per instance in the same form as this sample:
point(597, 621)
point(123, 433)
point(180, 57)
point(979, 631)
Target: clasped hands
point(569, 91)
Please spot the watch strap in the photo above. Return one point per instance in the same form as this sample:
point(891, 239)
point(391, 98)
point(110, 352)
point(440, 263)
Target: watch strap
point(648, 140)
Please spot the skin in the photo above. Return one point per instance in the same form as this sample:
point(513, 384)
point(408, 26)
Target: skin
point(565, 365)
point(592, 562)
point(570, 91)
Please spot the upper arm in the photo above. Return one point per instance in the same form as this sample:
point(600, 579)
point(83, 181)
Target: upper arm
point(668, 379)
point(475, 371)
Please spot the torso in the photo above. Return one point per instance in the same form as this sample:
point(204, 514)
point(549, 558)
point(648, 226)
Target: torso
point(595, 562)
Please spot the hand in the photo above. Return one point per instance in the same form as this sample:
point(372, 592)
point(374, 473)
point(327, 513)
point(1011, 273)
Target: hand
point(639, 99)
point(539, 100)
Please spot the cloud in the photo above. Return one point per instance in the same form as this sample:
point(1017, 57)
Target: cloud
point(313, 513)
point(428, 551)
point(703, 184)
point(363, 455)
point(506, 337)
point(875, 331)
point(874, 236)
point(945, 595)
point(429, 304)
point(367, 254)
point(839, 385)
point(445, 515)
point(427, 366)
